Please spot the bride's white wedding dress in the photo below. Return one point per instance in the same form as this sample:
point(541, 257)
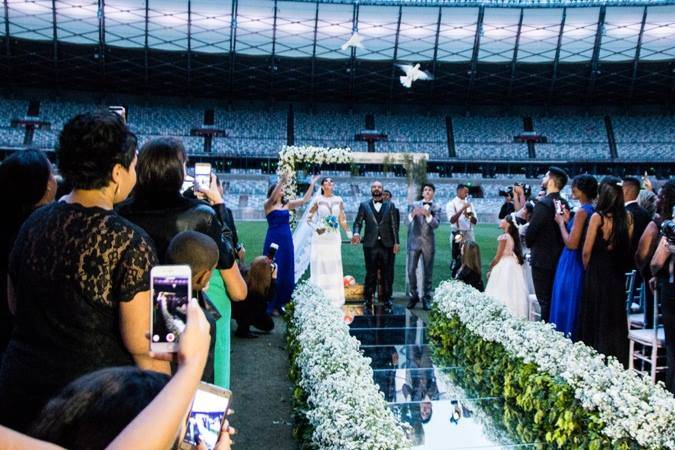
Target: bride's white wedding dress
point(325, 260)
point(507, 281)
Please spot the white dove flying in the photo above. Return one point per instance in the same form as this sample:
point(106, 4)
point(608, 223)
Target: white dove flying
point(354, 40)
point(413, 73)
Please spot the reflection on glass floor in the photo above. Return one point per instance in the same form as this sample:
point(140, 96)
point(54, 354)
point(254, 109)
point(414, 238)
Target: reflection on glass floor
point(429, 399)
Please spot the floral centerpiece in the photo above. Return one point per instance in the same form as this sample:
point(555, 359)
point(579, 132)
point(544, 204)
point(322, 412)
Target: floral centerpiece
point(574, 396)
point(337, 405)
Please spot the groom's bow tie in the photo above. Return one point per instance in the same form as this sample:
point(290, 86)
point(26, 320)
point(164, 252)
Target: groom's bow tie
point(427, 203)
point(377, 201)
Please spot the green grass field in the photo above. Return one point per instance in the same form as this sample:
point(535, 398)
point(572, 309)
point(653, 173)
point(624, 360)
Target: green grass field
point(252, 234)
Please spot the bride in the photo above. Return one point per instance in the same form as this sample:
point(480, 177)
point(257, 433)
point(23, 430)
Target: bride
point(325, 216)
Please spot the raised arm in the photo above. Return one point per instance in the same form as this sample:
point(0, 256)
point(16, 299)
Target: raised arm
point(572, 239)
point(591, 234)
point(518, 198)
point(293, 204)
point(269, 203)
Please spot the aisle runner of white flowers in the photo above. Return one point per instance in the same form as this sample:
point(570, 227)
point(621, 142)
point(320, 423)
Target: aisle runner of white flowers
point(570, 397)
point(337, 404)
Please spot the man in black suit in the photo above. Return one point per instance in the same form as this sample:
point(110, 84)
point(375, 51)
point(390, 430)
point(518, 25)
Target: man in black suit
point(397, 221)
point(380, 242)
point(641, 218)
point(544, 239)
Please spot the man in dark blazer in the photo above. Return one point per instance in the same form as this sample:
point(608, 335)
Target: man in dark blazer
point(397, 221)
point(380, 242)
point(641, 218)
point(544, 239)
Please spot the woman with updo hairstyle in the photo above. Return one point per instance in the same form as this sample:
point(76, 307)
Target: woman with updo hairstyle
point(78, 275)
point(606, 257)
point(569, 275)
point(27, 174)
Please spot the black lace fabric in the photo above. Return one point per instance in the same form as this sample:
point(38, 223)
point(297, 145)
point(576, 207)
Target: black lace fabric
point(70, 267)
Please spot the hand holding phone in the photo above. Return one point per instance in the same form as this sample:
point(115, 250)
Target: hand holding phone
point(207, 417)
point(272, 252)
point(203, 175)
point(170, 292)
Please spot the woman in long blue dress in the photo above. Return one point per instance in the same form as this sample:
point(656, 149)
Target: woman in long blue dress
point(277, 213)
point(569, 275)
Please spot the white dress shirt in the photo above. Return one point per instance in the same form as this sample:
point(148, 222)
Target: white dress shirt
point(463, 223)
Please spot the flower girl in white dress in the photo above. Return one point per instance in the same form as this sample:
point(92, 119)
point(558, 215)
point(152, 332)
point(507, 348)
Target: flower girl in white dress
point(506, 279)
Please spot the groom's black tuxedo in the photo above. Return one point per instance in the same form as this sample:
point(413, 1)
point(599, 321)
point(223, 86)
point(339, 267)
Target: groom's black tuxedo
point(378, 239)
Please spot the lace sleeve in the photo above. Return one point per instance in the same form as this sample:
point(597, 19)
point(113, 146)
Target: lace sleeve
point(132, 274)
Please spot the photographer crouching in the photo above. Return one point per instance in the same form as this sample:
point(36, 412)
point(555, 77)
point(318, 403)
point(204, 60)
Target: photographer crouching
point(663, 270)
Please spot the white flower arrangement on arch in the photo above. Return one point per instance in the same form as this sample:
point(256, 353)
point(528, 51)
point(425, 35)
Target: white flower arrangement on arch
point(629, 405)
point(292, 156)
point(344, 406)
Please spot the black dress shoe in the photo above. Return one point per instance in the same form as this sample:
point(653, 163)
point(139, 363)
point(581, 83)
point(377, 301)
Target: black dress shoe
point(245, 334)
point(413, 301)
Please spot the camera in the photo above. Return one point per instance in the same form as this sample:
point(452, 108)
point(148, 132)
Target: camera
point(508, 192)
point(668, 230)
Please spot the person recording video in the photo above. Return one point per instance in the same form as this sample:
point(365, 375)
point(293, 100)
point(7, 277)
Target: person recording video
point(463, 219)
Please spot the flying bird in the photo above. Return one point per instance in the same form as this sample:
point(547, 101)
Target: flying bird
point(413, 73)
point(354, 41)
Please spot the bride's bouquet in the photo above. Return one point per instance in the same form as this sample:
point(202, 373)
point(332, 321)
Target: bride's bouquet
point(331, 223)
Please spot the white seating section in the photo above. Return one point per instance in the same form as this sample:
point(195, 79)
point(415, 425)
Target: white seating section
point(644, 137)
point(479, 129)
point(563, 129)
point(572, 151)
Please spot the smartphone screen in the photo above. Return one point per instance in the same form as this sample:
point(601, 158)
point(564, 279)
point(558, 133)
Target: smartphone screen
point(207, 415)
point(271, 253)
point(203, 175)
point(170, 295)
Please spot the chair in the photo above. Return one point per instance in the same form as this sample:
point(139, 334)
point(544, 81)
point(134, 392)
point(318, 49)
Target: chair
point(650, 340)
point(636, 319)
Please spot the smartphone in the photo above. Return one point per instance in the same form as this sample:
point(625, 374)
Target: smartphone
point(558, 207)
point(120, 111)
point(206, 416)
point(170, 291)
point(272, 252)
point(203, 175)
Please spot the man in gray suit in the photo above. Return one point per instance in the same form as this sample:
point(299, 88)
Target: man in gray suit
point(423, 220)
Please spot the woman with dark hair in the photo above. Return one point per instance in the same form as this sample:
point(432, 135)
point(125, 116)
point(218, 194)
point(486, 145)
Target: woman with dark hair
point(277, 213)
point(78, 275)
point(158, 207)
point(665, 202)
point(606, 257)
point(506, 279)
point(27, 174)
point(261, 278)
point(569, 275)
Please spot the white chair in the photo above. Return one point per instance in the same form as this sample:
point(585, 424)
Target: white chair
point(650, 341)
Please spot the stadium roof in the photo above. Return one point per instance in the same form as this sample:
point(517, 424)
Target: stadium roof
point(492, 50)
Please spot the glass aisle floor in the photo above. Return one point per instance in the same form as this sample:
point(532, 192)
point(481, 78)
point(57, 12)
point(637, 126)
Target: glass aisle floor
point(429, 398)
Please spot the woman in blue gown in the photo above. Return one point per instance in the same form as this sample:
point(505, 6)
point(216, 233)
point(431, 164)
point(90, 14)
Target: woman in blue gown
point(277, 213)
point(569, 275)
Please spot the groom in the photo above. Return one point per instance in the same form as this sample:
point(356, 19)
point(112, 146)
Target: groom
point(380, 242)
point(422, 224)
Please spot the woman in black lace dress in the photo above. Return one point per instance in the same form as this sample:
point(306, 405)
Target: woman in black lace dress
point(78, 275)
point(606, 257)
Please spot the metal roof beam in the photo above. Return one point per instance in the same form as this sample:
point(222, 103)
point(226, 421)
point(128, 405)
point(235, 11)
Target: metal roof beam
point(316, 32)
point(146, 49)
point(638, 49)
point(8, 46)
point(556, 59)
point(514, 61)
point(596, 53)
point(233, 45)
point(273, 62)
point(189, 49)
point(55, 43)
point(393, 65)
point(435, 60)
point(474, 55)
point(101, 40)
point(352, 60)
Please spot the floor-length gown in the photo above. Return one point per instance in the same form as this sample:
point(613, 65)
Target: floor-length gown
point(602, 312)
point(507, 281)
point(568, 285)
point(279, 232)
point(325, 261)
